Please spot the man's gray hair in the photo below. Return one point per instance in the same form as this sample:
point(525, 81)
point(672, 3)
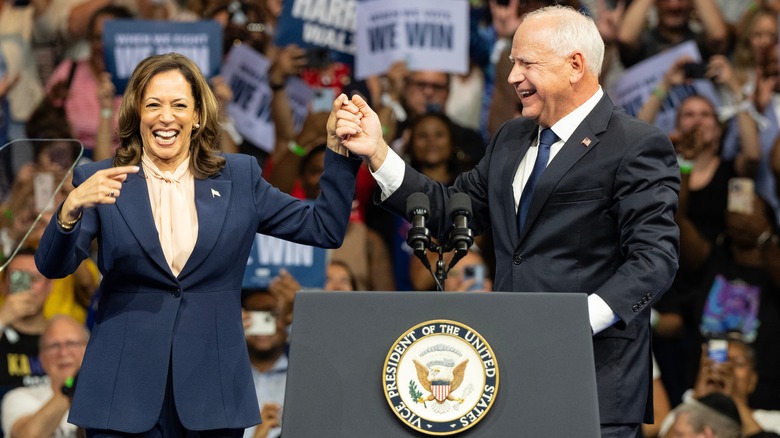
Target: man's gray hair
point(701, 416)
point(85, 331)
point(573, 32)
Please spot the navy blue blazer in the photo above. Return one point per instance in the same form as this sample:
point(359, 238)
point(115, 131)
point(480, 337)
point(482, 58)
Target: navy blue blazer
point(601, 220)
point(148, 319)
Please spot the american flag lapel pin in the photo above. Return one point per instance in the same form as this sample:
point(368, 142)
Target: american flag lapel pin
point(214, 193)
point(586, 141)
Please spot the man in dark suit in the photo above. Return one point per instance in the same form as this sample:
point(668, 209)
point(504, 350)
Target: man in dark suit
point(600, 219)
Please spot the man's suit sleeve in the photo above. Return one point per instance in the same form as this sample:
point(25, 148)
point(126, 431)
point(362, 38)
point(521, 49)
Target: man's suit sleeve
point(646, 186)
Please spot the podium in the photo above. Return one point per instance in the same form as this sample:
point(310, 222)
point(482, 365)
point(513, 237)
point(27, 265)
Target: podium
point(340, 342)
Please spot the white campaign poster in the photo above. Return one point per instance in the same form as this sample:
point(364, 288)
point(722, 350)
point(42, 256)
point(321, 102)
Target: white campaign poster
point(246, 72)
point(427, 34)
point(299, 97)
point(637, 83)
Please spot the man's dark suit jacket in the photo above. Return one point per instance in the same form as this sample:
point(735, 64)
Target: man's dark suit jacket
point(148, 319)
point(601, 221)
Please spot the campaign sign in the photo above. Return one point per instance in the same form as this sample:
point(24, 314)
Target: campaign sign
point(328, 24)
point(427, 34)
point(269, 255)
point(637, 83)
point(299, 96)
point(246, 72)
point(127, 42)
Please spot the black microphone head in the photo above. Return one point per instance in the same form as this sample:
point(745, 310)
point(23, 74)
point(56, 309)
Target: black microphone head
point(417, 204)
point(460, 204)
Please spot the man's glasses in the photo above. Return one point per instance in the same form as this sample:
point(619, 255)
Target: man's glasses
point(67, 345)
point(433, 86)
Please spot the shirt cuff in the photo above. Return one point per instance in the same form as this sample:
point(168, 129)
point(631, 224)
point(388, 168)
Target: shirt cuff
point(390, 174)
point(601, 315)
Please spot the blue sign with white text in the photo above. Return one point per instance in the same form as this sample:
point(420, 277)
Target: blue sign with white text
point(328, 24)
point(269, 255)
point(127, 42)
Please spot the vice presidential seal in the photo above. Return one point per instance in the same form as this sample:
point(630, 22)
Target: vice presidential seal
point(440, 377)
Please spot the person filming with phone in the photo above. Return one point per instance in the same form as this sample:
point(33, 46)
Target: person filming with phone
point(266, 340)
point(24, 291)
point(470, 274)
point(697, 139)
point(737, 283)
point(705, 174)
point(730, 370)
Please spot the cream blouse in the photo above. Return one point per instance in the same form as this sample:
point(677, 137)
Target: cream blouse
point(172, 196)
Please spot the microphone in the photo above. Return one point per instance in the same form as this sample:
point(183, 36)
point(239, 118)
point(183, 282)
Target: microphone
point(417, 207)
point(461, 237)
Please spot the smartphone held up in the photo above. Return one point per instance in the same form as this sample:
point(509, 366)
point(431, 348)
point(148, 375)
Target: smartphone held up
point(477, 274)
point(717, 350)
point(263, 324)
point(20, 281)
point(740, 195)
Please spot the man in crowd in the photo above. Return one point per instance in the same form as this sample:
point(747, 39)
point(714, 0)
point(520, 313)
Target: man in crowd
point(713, 416)
point(42, 410)
point(22, 322)
point(266, 339)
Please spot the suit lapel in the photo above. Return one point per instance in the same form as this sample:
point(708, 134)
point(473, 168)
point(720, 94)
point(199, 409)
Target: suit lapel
point(136, 209)
point(515, 155)
point(212, 197)
point(583, 140)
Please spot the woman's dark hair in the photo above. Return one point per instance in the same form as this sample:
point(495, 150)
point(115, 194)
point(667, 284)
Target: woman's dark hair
point(724, 127)
point(46, 124)
point(205, 156)
point(246, 23)
point(453, 164)
point(352, 280)
point(116, 12)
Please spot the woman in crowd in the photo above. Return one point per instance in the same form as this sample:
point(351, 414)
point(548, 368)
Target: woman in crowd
point(84, 89)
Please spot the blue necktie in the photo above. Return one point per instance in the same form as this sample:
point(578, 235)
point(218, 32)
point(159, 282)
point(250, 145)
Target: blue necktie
point(548, 137)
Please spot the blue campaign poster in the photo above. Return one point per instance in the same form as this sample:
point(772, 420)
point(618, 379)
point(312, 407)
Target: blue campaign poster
point(269, 255)
point(128, 42)
point(325, 24)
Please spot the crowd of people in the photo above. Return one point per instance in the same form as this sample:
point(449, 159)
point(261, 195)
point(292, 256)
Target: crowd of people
point(727, 286)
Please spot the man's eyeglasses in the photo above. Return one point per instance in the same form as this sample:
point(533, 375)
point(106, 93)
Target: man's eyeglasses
point(67, 345)
point(422, 85)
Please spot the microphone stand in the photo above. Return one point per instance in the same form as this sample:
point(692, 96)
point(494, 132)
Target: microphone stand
point(441, 272)
point(460, 238)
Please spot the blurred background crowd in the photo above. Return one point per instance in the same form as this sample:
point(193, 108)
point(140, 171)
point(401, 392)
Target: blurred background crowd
point(54, 85)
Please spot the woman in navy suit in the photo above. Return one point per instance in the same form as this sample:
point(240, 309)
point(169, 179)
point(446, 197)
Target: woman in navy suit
point(174, 221)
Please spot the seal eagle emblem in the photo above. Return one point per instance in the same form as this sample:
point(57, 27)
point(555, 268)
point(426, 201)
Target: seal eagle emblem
point(440, 377)
point(439, 380)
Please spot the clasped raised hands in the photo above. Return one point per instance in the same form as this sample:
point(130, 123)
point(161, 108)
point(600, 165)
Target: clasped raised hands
point(356, 127)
